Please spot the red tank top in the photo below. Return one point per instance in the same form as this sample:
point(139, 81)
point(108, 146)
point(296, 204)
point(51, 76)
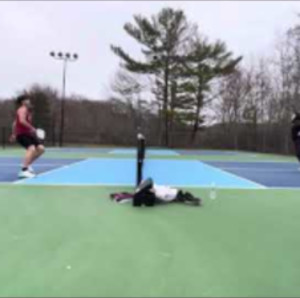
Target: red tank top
point(20, 129)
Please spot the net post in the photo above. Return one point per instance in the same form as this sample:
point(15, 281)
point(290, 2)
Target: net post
point(140, 158)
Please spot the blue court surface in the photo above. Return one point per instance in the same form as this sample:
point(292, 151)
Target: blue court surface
point(123, 172)
point(79, 150)
point(209, 152)
point(10, 166)
point(149, 152)
point(132, 151)
point(270, 174)
point(183, 173)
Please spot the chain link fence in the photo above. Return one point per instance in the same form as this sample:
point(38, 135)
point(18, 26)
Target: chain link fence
point(275, 139)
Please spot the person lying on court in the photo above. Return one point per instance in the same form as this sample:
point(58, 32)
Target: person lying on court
point(149, 194)
point(296, 134)
point(26, 135)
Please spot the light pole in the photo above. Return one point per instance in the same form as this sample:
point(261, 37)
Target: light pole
point(65, 57)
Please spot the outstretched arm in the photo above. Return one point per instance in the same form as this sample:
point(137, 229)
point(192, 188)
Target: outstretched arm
point(13, 132)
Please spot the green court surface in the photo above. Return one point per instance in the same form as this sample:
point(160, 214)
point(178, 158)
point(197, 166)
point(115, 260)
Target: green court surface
point(62, 241)
point(244, 243)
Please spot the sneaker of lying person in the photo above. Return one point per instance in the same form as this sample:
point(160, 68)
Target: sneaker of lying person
point(188, 198)
point(26, 174)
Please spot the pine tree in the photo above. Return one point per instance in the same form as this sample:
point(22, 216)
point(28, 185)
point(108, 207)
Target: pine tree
point(183, 65)
point(161, 38)
point(205, 63)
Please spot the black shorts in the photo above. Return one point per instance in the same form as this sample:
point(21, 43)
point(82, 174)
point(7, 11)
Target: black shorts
point(26, 141)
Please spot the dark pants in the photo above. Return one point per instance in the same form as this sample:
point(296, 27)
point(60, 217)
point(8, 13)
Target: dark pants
point(28, 140)
point(297, 147)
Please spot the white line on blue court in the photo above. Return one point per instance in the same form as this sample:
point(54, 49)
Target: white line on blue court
point(241, 178)
point(118, 172)
point(132, 186)
point(38, 165)
point(48, 172)
point(260, 170)
point(149, 152)
point(283, 188)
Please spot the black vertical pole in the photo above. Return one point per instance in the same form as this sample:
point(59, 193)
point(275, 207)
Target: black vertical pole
point(140, 158)
point(62, 112)
point(3, 137)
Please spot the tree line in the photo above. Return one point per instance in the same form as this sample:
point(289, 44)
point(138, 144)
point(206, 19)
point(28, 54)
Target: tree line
point(182, 91)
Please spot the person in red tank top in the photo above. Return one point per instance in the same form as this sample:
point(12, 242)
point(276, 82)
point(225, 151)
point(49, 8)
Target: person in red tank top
point(25, 134)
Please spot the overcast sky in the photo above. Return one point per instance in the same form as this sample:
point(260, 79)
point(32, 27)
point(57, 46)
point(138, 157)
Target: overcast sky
point(29, 30)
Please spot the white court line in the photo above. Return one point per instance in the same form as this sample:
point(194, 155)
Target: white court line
point(20, 182)
point(258, 161)
point(35, 165)
point(233, 175)
point(131, 185)
point(115, 184)
point(50, 171)
point(149, 152)
point(261, 170)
